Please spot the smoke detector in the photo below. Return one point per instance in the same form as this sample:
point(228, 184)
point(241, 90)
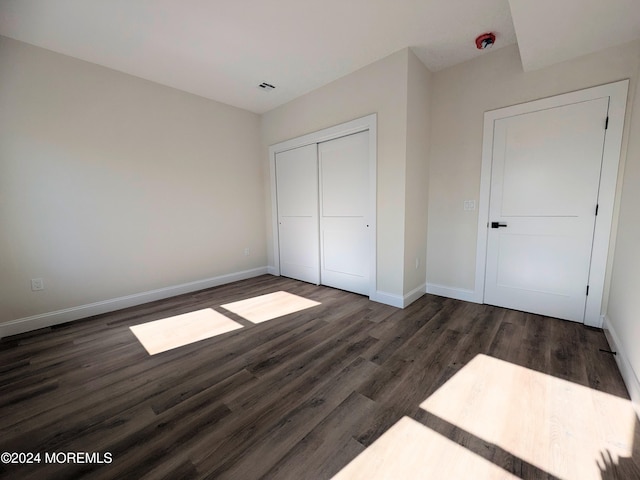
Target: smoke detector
point(486, 40)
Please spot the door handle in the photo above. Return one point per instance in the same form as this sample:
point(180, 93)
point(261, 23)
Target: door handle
point(498, 225)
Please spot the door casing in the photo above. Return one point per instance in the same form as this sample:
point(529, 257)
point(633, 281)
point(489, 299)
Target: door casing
point(617, 93)
point(367, 123)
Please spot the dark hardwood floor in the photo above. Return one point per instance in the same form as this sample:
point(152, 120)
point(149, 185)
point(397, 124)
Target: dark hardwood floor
point(297, 397)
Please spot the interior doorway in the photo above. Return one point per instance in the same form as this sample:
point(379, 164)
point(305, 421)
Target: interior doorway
point(546, 204)
point(324, 206)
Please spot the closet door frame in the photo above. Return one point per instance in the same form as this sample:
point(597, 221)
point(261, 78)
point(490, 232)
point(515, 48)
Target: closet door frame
point(367, 123)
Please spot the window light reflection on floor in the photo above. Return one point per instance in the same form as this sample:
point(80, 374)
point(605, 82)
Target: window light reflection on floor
point(179, 330)
point(409, 450)
point(267, 307)
point(559, 426)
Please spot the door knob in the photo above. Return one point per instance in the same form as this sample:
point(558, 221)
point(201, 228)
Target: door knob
point(498, 225)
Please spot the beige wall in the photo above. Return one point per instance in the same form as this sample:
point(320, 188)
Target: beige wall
point(378, 88)
point(460, 96)
point(111, 185)
point(416, 194)
point(624, 307)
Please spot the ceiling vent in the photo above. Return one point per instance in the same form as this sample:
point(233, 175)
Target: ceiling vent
point(266, 86)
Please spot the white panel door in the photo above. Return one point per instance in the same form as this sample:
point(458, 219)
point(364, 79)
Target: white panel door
point(344, 222)
point(297, 201)
point(544, 188)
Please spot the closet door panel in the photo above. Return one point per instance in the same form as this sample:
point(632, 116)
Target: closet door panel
point(297, 201)
point(344, 223)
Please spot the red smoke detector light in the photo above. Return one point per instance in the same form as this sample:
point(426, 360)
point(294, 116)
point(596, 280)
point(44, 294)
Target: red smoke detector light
point(486, 40)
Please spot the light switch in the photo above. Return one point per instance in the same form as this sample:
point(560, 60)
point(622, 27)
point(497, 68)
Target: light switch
point(469, 205)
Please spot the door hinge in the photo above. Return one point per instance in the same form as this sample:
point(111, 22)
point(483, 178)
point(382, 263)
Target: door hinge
point(597, 206)
point(587, 289)
point(606, 123)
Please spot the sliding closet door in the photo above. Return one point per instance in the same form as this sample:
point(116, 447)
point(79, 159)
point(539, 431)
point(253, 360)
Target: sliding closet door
point(344, 223)
point(297, 200)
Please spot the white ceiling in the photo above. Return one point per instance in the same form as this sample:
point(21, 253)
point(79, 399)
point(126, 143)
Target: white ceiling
point(552, 31)
point(222, 49)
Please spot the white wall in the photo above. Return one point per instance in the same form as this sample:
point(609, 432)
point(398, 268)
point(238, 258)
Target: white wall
point(624, 304)
point(460, 96)
point(112, 185)
point(416, 185)
point(378, 88)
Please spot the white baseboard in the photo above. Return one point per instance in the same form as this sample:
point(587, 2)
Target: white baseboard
point(271, 270)
point(48, 319)
point(414, 295)
point(451, 292)
point(398, 301)
point(388, 299)
point(626, 370)
point(595, 323)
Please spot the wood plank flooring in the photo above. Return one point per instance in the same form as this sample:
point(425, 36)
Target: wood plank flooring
point(297, 397)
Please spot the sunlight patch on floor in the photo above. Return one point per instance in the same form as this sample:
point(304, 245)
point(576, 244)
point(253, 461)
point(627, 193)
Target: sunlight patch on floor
point(559, 426)
point(173, 332)
point(409, 450)
point(267, 307)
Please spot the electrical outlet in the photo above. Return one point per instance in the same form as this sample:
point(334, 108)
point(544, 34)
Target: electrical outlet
point(469, 205)
point(37, 284)
point(247, 252)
